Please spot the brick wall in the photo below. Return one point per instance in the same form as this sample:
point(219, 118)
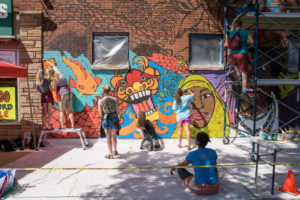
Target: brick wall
point(153, 26)
point(28, 31)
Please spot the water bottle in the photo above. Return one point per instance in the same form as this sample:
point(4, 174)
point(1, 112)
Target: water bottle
point(261, 132)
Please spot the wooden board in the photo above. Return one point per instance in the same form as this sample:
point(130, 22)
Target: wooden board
point(273, 21)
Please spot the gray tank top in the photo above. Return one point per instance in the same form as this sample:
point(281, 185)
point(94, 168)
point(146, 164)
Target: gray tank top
point(109, 107)
point(44, 87)
point(63, 83)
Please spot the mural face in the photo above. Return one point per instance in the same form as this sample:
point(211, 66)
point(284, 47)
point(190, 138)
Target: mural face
point(202, 107)
point(207, 109)
point(137, 88)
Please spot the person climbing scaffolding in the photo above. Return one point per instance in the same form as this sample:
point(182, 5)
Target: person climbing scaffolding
point(239, 56)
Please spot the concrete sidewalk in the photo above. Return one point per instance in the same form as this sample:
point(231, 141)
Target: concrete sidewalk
point(235, 182)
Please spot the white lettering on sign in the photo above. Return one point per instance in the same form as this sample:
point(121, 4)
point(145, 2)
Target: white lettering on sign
point(3, 11)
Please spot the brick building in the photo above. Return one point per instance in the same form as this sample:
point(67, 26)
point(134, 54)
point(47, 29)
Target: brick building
point(161, 45)
point(21, 44)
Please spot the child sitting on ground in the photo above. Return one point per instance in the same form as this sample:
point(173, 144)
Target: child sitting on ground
point(205, 181)
point(145, 127)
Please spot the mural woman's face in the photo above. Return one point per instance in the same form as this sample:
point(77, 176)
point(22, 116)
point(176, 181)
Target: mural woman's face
point(202, 107)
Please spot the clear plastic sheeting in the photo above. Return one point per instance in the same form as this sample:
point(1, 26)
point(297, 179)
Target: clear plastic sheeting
point(206, 53)
point(293, 55)
point(110, 53)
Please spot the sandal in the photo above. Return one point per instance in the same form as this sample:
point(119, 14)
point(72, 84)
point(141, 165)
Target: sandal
point(179, 146)
point(189, 147)
point(45, 129)
point(108, 156)
point(50, 128)
point(115, 153)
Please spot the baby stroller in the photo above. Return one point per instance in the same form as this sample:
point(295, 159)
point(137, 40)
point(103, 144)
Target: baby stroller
point(150, 141)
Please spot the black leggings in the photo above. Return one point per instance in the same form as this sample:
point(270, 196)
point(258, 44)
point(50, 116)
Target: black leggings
point(183, 173)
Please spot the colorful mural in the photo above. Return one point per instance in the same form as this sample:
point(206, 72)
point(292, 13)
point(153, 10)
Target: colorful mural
point(148, 86)
point(157, 57)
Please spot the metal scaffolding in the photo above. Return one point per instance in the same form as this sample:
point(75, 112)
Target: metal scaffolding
point(288, 22)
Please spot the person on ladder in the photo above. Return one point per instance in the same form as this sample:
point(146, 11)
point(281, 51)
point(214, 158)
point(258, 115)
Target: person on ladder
point(239, 53)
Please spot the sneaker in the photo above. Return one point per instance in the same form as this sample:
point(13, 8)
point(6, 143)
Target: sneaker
point(189, 147)
point(50, 128)
point(45, 129)
point(179, 146)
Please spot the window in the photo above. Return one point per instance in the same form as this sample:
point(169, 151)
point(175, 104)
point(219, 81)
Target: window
point(206, 52)
point(8, 100)
point(110, 51)
point(9, 93)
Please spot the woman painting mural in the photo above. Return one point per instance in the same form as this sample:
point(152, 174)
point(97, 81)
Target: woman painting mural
point(207, 109)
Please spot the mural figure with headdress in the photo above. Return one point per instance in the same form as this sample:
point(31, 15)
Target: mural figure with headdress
point(207, 109)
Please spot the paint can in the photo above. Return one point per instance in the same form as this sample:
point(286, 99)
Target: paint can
point(289, 137)
point(274, 136)
point(280, 137)
point(265, 136)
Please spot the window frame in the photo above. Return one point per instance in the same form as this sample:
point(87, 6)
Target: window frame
point(203, 66)
point(97, 67)
point(18, 96)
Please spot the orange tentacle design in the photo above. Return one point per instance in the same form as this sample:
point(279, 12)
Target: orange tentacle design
point(158, 130)
point(129, 129)
point(167, 119)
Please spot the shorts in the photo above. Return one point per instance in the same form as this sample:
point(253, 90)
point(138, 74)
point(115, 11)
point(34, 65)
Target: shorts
point(240, 60)
point(65, 102)
point(109, 122)
point(187, 120)
point(47, 97)
point(201, 189)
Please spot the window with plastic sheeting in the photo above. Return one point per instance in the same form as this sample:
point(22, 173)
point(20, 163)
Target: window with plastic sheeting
point(110, 51)
point(206, 52)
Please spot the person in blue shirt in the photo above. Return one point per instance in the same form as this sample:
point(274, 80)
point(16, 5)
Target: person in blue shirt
point(181, 105)
point(239, 57)
point(205, 181)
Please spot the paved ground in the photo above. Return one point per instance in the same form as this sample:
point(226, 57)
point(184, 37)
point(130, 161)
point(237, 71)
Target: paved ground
point(235, 182)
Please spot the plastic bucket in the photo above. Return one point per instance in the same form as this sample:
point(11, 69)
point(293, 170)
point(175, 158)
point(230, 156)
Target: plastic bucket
point(289, 136)
point(274, 136)
point(265, 136)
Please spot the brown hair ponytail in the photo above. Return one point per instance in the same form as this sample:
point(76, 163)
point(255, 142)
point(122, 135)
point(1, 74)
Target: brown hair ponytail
point(178, 95)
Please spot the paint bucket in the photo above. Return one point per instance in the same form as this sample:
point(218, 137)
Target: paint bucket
point(280, 137)
point(274, 136)
point(289, 137)
point(265, 136)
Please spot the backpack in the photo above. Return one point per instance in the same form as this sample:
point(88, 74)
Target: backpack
point(235, 41)
point(7, 145)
